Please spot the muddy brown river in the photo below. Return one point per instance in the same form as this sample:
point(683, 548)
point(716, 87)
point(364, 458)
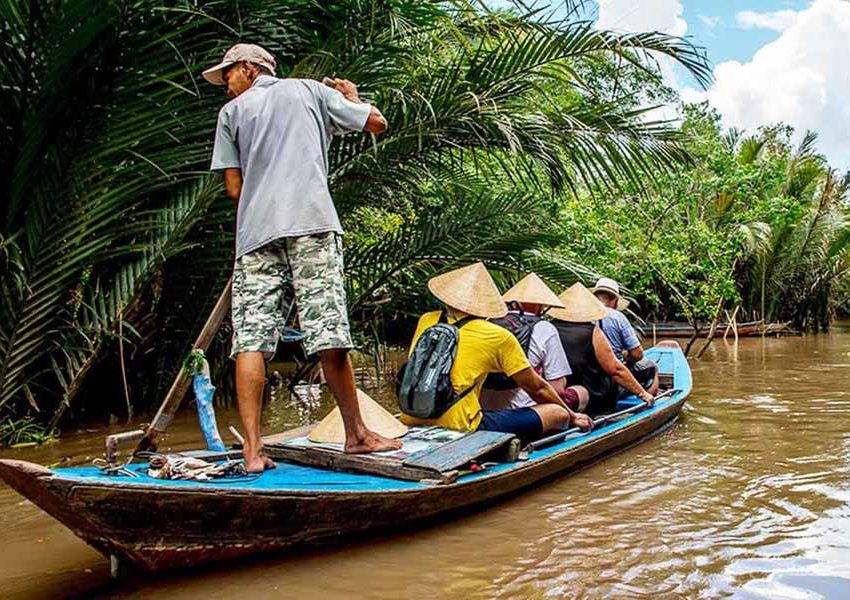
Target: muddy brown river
point(748, 496)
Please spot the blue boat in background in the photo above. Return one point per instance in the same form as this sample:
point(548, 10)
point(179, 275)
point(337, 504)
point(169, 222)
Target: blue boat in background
point(156, 524)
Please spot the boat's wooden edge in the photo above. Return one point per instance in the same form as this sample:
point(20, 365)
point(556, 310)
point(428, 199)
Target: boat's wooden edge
point(33, 481)
point(23, 476)
point(289, 434)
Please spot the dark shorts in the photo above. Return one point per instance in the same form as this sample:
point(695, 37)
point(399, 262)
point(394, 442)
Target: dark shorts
point(524, 422)
point(644, 371)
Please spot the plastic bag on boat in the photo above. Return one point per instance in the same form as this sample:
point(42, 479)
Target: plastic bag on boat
point(204, 392)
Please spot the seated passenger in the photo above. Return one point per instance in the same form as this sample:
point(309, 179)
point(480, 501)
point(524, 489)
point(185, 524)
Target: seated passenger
point(539, 340)
point(484, 348)
point(591, 358)
point(622, 337)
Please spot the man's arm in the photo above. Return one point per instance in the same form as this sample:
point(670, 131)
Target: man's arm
point(233, 184)
point(376, 123)
point(615, 369)
point(629, 339)
point(635, 354)
point(559, 385)
point(538, 388)
point(542, 392)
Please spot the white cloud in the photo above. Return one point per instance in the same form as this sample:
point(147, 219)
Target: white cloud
point(710, 22)
point(779, 20)
point(646, 15)
point(801, 78)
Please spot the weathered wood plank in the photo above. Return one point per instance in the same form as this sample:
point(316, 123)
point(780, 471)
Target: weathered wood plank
point(357, 463)
point(459, 452)
point(289, 434)
point(212, 455)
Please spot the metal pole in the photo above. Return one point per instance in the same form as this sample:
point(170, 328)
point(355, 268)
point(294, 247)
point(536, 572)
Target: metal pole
point(563, 435)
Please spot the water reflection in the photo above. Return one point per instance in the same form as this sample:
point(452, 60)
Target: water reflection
point(748, 496)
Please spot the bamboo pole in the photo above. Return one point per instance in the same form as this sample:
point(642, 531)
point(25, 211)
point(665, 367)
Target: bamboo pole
point(712, 329)
point(183, 380)
point(731, 322)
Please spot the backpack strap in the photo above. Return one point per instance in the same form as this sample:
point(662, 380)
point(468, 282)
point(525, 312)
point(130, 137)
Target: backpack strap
point(463, 394)
point(444, 318)
point(461, 322)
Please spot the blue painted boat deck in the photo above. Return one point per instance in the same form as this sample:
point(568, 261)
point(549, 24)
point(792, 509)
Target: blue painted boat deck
point(288, 476)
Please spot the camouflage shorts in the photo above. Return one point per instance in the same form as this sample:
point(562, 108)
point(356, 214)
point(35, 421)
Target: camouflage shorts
point(307, 269)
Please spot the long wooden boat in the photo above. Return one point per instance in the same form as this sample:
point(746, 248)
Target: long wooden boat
point(685, 330)
point(155, 524)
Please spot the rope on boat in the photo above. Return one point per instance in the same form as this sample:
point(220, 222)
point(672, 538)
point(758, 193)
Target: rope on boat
point(114, 469)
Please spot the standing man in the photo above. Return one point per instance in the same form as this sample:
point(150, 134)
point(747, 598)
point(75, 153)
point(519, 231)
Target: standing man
point(271, 143)
point(622, 336)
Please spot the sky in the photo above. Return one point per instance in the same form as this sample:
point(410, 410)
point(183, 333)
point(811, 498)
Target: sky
point(773, 60)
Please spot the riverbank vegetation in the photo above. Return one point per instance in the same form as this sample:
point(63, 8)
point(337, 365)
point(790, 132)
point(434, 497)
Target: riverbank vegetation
point(523, 142)
point(757, 222)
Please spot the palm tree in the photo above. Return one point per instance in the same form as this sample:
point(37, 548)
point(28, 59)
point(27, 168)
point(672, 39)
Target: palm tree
point(110, 215)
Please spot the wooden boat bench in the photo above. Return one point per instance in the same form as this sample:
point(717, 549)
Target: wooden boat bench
point(428, 454)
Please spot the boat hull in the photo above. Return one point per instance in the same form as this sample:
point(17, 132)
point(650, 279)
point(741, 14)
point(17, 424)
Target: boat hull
point(154, 525)
point(154, 531)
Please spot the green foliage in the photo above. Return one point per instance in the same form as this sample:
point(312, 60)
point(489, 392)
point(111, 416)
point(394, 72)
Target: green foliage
point(24, 432)
point(114, 235)
point(755, 222)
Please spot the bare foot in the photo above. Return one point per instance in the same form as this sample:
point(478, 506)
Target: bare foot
point(269, 463)
point(371, 442)
point(257, 463)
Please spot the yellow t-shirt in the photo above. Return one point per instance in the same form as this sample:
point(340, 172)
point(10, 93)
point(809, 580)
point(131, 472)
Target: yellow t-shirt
point(483, 348)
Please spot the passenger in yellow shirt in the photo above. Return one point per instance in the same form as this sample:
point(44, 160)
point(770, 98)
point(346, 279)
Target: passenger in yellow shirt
point(484, 348)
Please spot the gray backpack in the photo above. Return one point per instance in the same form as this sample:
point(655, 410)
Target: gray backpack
point(424, 384)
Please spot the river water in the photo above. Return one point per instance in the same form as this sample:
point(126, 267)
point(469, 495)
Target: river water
point(748, 496)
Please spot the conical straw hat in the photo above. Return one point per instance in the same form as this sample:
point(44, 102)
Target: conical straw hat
point(581, 306)
point(469, 289)
point(532, 290)
point(331, 430)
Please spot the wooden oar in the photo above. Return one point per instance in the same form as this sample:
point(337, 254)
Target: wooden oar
point(556, 438)
point(183, 380)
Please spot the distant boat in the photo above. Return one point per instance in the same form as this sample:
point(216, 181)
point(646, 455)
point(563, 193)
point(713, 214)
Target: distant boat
point(156, 524)
point(675, 329)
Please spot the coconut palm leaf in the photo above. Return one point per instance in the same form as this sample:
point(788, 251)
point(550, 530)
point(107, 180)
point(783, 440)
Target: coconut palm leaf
point(106, 130)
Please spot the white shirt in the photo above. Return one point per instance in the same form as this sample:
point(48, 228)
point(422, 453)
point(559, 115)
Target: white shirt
point(546, 356)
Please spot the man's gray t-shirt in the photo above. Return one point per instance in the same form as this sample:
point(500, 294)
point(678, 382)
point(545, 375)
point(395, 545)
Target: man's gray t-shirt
point(278, 133)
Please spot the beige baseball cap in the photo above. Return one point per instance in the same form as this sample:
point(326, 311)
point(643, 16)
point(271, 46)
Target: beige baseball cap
point(606, 284)
point(249, 52)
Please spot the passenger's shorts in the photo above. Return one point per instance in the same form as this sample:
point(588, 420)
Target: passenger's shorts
point(524, 422)
point(308, 269)
point(644, 371)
